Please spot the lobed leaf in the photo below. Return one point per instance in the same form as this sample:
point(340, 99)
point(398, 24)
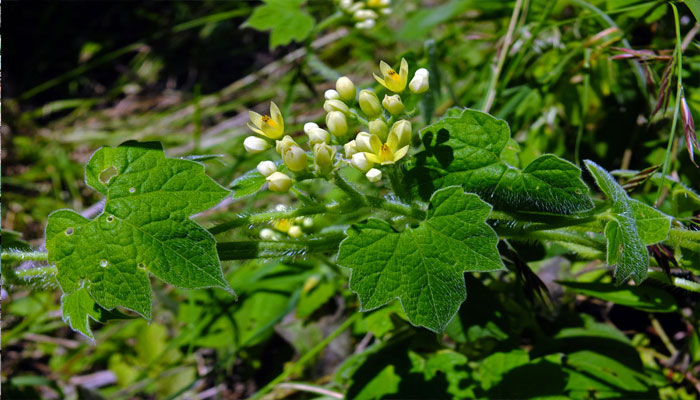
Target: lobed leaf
point(144, 229)
point(472, 150)
point(423, 267)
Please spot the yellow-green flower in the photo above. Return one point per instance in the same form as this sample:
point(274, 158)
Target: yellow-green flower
point(271, 126)
point(387, 153)
point(396, 82)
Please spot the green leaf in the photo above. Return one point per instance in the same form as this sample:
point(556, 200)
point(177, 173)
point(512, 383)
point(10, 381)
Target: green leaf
point(423, 267)
point(467, 150)
point(694, 6)
point(144, 229)
point(247, 184)
point(632, 227)
point(385, 383)
point(77, 306)
point(284, 19)
point(646, 298)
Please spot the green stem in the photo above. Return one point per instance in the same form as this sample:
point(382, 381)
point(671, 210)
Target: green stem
point(18, 256)
point(306, 358)
point(266, 217)
point(584, 104)
point(553, 236)
point(395, 207)
point(350, 190)
point(684, 238)
point(491, 93)
point(395, 177)
point(674, 280)
point(249, 249)
point(678, 54)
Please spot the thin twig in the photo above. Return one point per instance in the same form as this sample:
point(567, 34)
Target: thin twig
point(491, 96)
point(303, 387)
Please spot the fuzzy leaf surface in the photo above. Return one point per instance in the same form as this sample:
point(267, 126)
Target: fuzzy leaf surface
point(144, 229)
point(471, 150)
point(424, 266)
point(634, 225)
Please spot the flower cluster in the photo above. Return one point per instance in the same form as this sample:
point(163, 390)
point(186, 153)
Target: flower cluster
point(386, 140)
point(365, 13)
point(292, 227)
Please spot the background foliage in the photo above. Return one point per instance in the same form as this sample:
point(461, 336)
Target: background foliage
point(571, 83)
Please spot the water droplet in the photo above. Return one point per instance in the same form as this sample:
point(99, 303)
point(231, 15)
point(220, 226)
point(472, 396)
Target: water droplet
point(104, 263)
point(132, 190)
point(69, 231)
point(110, 218)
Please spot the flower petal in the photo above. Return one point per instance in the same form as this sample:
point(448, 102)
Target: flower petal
point(380, 80)
point(393, 140)
point(372, 157)
point(276, 115)
point(255, 118)
point(375, 143)
point(403, 73)
point(384, 67)
point(400, 153)
point(255, 129)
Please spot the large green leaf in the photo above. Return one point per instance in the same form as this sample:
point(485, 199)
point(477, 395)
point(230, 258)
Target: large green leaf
point(646, 298)
point(633, 226)
point(469, 150)
point(284, 19)
point(423, 267)
point(144, 229)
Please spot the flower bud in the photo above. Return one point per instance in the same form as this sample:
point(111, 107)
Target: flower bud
point(355, 6)
point(363, 142)
point(364, 14)
point(309, 126)
point(379, 128)
point(366, 24)
point(279, 182)
point(308, 222)
point(324, 156)
point(337, 124)
point(393, 104)
point(386, 11)
point(374, 175)
point(331, 94)
point(360, 161)
point(350, 148)
point(345, 88)
point(403, 132)
point(282, 145)
point(344, 4)
point(369, 104)
point(255, 145)
point(294, 158)
point(336, 105)
point(266, 168)
point(318, 135)
point(295, 232)
point(420, 82)
point(268, 234)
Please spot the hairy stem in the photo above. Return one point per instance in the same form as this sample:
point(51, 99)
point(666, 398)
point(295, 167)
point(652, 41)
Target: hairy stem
point(249, 249)
point(17, 256)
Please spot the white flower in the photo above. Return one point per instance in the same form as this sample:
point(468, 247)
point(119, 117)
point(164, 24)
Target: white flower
point(331, 94)
point(279, 182)
point(420, 82)
point(360, 161)
point(266, 168)
point(309, 126)
point(294, 158)
point(345, 88)
point(366, 24)
point(255, 145)
point(374, 175)
point(337, 124)
point(318, 135)
point(393, 104)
